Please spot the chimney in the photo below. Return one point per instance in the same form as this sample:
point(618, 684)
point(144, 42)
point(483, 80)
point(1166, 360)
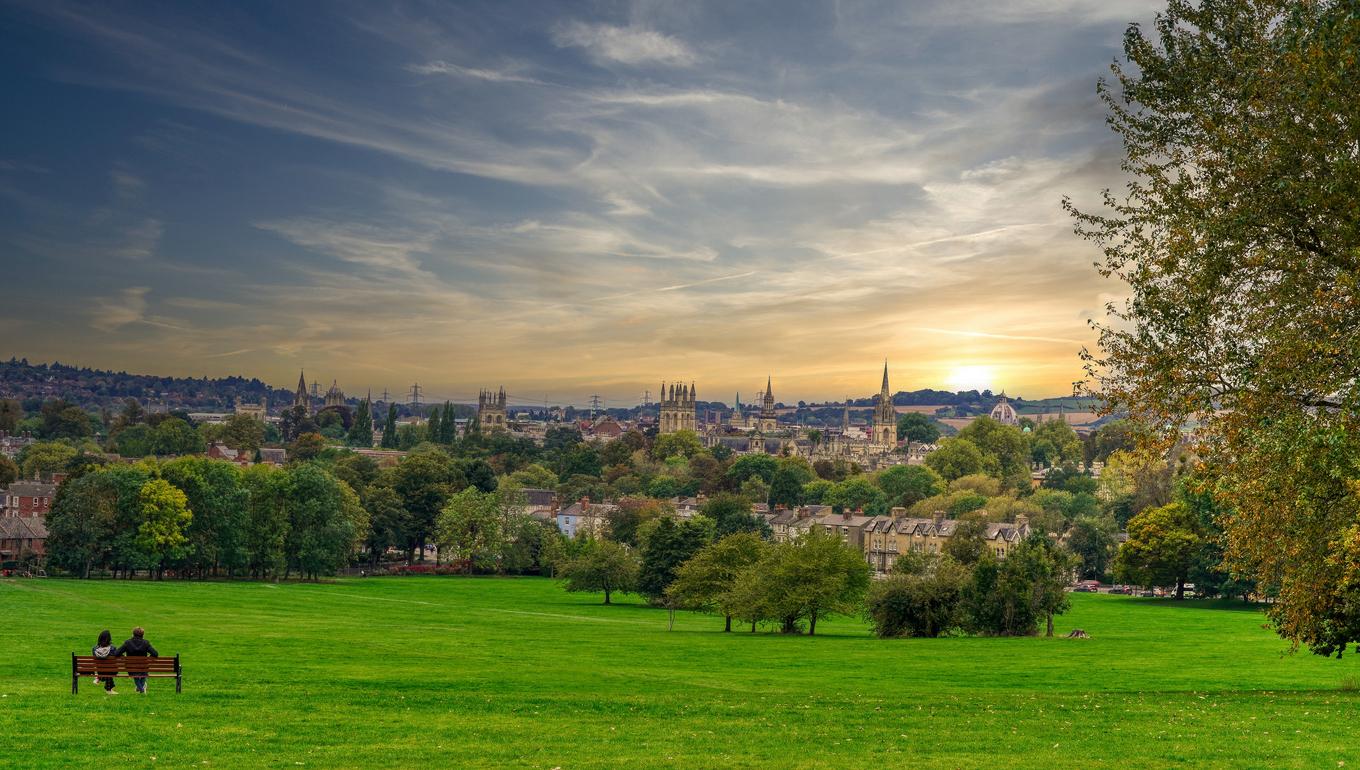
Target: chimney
point(898, 512)
point(1021, 521)
point(585, 504)
point(937, 518)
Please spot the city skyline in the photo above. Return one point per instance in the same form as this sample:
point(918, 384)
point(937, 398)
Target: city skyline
point(582, 200)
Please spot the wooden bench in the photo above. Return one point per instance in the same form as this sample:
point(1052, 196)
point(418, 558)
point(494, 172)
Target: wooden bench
point(126, 666)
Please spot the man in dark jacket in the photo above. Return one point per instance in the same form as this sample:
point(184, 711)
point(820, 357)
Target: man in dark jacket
point(138, 647)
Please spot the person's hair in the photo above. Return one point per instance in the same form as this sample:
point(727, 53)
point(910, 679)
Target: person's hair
point(137, 632)
point(105, 638)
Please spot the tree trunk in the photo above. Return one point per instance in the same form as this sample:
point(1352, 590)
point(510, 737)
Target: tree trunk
point(1180, 588)
point(1050, 625)
point(753, 626)
point(606, 596)
point(812, 624)
point(727, 629)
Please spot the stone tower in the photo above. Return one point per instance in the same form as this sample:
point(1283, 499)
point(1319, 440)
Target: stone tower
point(677, 408)
point(768, 421)
point(885, 416)
point(335, 396)
point(300, 398)
point(491, 413)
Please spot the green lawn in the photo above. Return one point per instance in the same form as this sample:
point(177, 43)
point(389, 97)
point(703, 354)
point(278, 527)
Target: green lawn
point(456, 672)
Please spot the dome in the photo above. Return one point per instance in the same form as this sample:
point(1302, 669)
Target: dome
point(1004, 413)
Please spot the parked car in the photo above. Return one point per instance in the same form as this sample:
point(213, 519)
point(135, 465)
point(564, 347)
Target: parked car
point(1125, 590)
point(1147, 594)
point(1083, 589)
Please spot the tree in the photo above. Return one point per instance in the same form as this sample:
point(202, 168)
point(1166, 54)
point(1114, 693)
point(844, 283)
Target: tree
point(448, 425)
point(967, 546)
point(1004, 450)
point(62, 419)
point(1091, 540)
point(165, 516)
point(732, 514)
point(80, 525)
point(243, 432)
point(214, 493)
point(752, 466)
point(325, 520)
point(265, 534)
point(433, 433)
point(786, 486)
point(955, 457)
point(1164, 545)
point(9, 471)
point(669, 545)
point(707, 580)
point(389, 521)
point(425, 481)
point(682, 442)
point(1010, 597)
point(602, 565)
point(812, 577)
point(174, 436)
point(361, 431)
point(11, 413)
point(857, 494)
point(905, 485)
point(389, 436)
point(308, 446)
point(927, 603)
point(45, 458)
point(1055, 443)
point(631, 513)
point(1238, 237)
point(917, 428)
point(474, 526)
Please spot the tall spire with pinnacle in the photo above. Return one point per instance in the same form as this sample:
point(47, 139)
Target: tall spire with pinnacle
point(885, 375)
point(301, 398)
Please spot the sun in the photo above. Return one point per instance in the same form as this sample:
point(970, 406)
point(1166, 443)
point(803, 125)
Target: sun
point(975, 377)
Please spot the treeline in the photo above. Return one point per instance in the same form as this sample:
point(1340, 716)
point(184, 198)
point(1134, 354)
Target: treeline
point(30, 384)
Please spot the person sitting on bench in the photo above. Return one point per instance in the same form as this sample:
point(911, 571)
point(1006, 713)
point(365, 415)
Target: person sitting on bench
point(103, 650)
point(138, 647)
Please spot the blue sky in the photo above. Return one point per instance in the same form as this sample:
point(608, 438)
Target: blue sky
point(567, 198)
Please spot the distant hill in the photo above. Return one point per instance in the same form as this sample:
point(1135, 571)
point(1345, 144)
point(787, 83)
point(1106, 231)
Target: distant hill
point(92, 388)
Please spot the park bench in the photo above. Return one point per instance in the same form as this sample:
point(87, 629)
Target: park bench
point(125, 666)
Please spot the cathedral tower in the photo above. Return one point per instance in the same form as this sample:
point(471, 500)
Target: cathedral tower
point(491, 411)
point(677, 408)
point(885, 416)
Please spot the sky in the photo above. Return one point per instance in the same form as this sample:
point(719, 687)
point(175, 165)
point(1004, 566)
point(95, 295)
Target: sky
point(563, 198)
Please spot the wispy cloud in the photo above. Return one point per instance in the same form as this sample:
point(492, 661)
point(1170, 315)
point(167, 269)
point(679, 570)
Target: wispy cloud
point(440, 67)
point(625, 45)
point(126, 307)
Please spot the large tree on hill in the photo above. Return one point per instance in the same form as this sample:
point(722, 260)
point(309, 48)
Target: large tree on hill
point(1239, 239)
point(1164, 545)
point(706, 581)
point(604, 566)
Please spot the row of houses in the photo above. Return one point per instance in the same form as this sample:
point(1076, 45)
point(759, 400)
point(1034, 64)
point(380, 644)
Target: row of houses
point(882, 538)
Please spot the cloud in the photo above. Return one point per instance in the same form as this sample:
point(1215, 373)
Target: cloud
point(113, 313)
point(625, 45)
point(140, 240)
point(440, 67)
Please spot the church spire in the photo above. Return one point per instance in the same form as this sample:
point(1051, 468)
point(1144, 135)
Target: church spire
point(885, 375)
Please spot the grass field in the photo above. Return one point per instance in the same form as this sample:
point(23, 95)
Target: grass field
point(443, 672)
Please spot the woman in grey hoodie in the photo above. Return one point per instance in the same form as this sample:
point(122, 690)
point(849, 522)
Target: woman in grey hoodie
point(103, 650)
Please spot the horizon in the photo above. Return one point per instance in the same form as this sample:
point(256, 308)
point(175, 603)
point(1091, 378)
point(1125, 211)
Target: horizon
point(585, 199)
